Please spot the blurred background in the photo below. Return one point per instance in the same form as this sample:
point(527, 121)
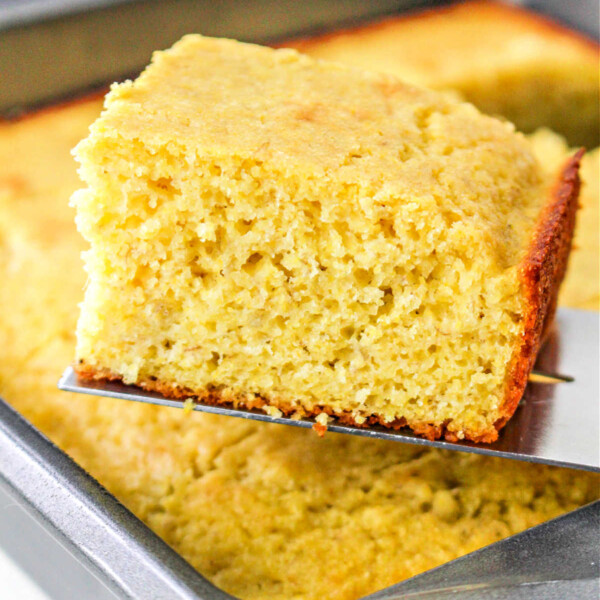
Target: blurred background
point(49, 48)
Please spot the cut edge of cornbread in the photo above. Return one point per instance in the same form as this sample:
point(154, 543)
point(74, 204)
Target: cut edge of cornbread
point(155, 273)
point(541, 273)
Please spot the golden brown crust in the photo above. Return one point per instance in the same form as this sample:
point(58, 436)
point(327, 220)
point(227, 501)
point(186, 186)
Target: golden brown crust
point(542, 272)
point(496, 10)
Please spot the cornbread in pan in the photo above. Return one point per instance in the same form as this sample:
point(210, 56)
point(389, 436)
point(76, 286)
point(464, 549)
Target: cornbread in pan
point(265, 512)
point(581, 288)
point(267, 230)
point(506, 60)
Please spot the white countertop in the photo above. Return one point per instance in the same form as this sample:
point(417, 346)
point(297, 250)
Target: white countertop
point(16, 583)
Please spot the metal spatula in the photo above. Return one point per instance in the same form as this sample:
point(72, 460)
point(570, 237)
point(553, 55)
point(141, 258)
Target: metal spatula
point(553, 561)
point(556, 423)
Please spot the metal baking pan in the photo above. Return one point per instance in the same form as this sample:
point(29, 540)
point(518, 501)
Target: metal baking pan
point(73, 537)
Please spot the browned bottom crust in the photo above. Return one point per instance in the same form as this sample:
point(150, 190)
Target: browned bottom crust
point(216, 397)
point(541, 273)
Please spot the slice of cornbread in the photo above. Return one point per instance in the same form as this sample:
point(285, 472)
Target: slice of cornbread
point(506, 60)
point(267, 230)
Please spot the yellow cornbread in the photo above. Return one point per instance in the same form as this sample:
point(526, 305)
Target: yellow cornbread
point(265, 228)
point(505, 60)
point(266, 512)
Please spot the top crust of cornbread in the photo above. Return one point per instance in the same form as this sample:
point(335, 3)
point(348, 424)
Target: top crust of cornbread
point(454, 242)
point(504, 59)
point(316, 120)
point(280, 105)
